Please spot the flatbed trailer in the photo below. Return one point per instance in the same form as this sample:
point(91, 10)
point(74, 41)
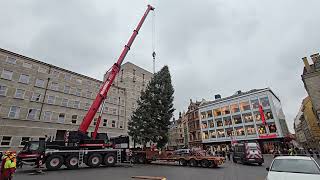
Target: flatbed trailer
point(193, 160)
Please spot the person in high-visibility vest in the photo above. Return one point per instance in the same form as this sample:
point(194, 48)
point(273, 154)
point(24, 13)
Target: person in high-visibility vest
point(9, 166)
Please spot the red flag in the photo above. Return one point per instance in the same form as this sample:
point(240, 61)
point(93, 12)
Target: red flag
point(262, 114)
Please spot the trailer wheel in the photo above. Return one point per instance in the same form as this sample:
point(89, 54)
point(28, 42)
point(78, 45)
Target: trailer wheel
point(141, 159)
point(213, 164)
point(205, 163)
point(110, 159)
point(193, 163)
point(94, 160)
point(54, 162)
point(182, 162)
point(72, 162)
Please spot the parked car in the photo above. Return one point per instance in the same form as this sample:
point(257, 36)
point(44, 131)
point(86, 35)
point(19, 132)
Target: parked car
point(293, 167)
point(247, 153)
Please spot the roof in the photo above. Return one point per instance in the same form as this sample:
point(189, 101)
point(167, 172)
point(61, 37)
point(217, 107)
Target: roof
point(237, 95)
point(294, 157)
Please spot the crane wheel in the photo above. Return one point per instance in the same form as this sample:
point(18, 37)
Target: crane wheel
point(109, 159)
point(94, 160)
point(205, 163)
point(54, 162)
point(72, 162)
point(193, 163)
point(182, 162)
point(213, 164)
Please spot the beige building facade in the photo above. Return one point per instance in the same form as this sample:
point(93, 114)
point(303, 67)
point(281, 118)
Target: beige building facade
point(311, 80)
point(38, 99)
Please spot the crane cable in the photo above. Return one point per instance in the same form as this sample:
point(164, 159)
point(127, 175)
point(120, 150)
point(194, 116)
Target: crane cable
point(153, 39)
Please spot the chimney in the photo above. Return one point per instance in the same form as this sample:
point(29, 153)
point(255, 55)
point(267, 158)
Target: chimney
point(306, 64)
point(315, 58)
point(217, 96)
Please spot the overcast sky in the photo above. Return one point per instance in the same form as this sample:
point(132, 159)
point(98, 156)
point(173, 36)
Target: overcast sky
point(210, 46)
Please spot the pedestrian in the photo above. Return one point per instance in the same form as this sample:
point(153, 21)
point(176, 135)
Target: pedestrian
point(316, 153)
point(224, 153)
point(228, 155)
point(310, 152)
point(9, 166)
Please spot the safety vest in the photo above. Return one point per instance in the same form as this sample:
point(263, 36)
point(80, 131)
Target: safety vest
point(10, 164)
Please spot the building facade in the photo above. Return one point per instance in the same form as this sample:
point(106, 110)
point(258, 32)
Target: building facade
point(299, 132)
point(309, 126)
point(237, 118)
point(311, 80)
point(194, 130)
point(176, 135)
point(38, 99)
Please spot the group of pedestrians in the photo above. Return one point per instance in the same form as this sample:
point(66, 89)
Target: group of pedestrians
point(8, 165)
point(296, 152)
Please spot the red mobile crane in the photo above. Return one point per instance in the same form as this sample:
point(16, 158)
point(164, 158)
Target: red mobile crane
point(78, 147)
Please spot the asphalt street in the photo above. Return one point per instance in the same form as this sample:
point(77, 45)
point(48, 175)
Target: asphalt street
point(229, 171)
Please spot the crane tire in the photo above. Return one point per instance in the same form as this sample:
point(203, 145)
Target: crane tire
point(205, 163)
point(72, 162)
point(94, 160)
point(182, 162)
point(54, 162)
point(110, 159)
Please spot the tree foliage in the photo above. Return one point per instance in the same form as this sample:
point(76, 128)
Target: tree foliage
point(150, 121)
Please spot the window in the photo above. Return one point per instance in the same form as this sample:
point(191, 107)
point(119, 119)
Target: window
point(105, 122)
point(39, 83)
point(235, 108)
point(257, 116)
point(247, 117)
point(87, 106)
point(78, 81)
point(211, 123)
point(3, 90)
point(74, 119)
point(19, 93)
point(64, 102)
point(67, 77)
point(11, 60)
point(272, 128)
point(217, 112)
point(212, 134)
point(89, 94)
point(262, 129)
point(204, 125)
point(225, 110)
point(268, 114)
point(95, 121)
point(6, 74)
point(227, 121)
point(76, 104)
point(240, 131)
point(113, 124)
point(255, 103)
point(121, 125)
point(122, 112)
point(6, 141)
point(55, 74)
point(51, 99)
point(66, 89)
point(245, 106)
point(229, 132)
point(36, 97)
point(220, 133)
point(264, 101)
point(122, 102)
point(205, 135)
point(24, 140)
point(24, 79)
point(54, 86)
point(42, 70)
point(14, 112)
point(219, 122)
point(27, 65)
point(203, 115)
point(114, 111)
point(47, 116)
point(61, 118)
point(237, 119)
point(78, 92)
point(209, 114)
point(250, 130)
point(32, 113)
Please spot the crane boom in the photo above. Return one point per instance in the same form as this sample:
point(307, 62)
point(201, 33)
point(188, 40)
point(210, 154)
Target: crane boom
point(101, 96)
